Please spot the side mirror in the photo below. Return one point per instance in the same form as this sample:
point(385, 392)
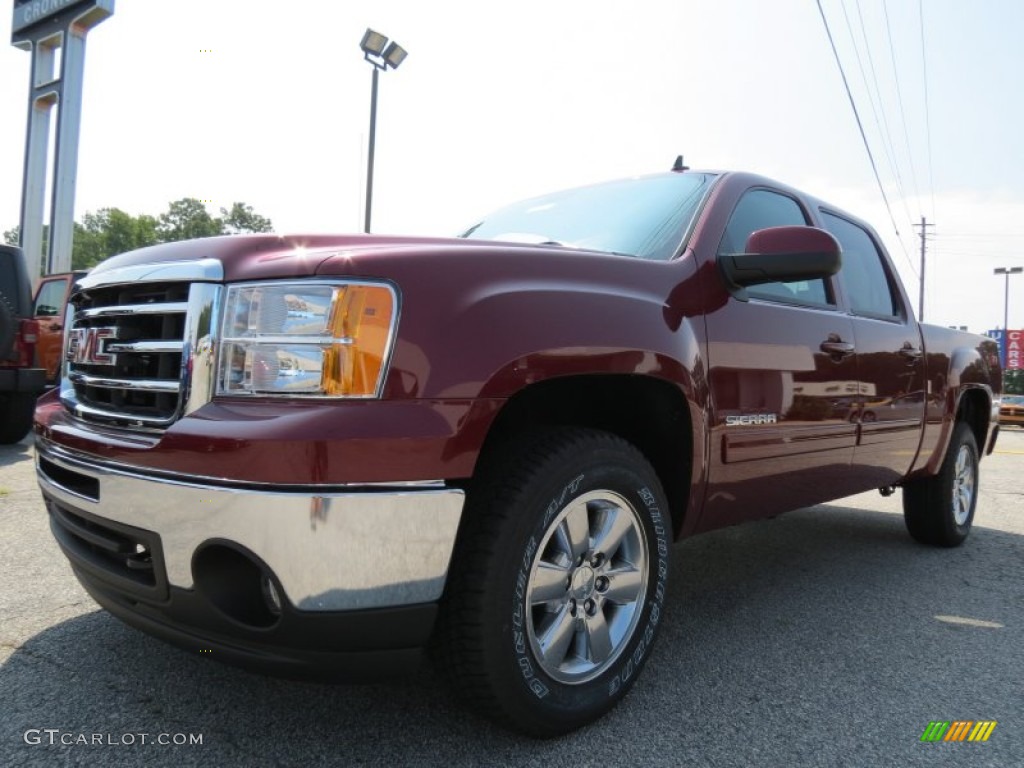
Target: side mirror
point(783, 255)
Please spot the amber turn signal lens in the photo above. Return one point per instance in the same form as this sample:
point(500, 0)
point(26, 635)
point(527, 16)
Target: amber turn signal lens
point(361, 320)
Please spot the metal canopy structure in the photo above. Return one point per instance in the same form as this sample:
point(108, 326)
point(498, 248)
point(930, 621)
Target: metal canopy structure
point(53, 30)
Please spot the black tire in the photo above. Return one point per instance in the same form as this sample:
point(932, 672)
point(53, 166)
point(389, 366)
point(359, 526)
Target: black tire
point(16, 409)
point(523, 521)
point(939, 510)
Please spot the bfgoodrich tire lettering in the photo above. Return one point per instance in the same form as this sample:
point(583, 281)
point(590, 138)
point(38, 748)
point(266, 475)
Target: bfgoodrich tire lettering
point(558, 581)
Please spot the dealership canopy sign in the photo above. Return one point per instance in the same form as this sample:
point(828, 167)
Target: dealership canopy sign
point(1011, 348)
point(29, 12)
point(53, 30)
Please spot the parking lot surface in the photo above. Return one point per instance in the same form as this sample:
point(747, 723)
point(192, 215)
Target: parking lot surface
point(825, 637)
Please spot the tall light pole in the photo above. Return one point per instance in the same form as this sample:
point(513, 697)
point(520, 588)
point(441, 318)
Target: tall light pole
point(1006, 303)
point(382, 55)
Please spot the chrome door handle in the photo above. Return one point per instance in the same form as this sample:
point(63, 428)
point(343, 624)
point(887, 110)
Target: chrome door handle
point(912, 353)
point(837, 348)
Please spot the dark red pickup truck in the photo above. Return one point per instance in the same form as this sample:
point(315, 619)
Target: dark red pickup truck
point(324, 454)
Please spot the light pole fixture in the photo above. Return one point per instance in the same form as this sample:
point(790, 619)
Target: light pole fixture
point(1006, 304)
point(382, 54)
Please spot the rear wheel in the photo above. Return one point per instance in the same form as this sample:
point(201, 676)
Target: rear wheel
point(939, 510)
point(16, 409)
point(558, 581)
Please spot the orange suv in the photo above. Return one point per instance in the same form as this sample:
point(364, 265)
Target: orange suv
point(48, 309)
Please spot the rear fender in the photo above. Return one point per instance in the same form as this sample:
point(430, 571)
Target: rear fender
point(970, 395)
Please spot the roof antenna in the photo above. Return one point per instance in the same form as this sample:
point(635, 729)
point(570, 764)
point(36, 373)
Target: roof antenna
point(679, 165)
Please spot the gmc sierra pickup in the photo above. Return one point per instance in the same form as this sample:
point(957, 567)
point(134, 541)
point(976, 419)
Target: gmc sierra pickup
point(324, 455)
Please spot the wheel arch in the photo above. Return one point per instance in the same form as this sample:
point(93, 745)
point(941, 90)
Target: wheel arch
point(975, 409)
point(972, 405)
point(650, 413)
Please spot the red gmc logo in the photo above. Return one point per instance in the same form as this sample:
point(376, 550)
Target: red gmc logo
point(87, 346)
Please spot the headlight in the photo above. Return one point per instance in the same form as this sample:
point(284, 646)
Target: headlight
point(306, 338)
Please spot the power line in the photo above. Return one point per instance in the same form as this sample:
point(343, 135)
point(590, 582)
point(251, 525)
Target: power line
point(867, 87)
point(983, 235)
point(970, 255)
point(864, 138)
point(887, 135)
point(927, 111)
point(899, 99)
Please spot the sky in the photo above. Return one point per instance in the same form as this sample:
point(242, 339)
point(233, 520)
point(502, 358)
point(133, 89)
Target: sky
point(267, 102)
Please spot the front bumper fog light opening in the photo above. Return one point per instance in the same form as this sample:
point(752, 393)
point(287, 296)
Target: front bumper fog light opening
point(238, 584)
point(270, 594)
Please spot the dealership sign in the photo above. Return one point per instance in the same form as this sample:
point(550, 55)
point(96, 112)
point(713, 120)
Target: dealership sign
point(30, 12)
point(1011, 348)
point(54, 32)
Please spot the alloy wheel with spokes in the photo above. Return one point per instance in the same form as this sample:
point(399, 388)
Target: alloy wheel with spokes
point(586, 586)
point(963, 485)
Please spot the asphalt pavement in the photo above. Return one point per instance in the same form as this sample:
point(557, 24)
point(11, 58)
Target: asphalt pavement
point(825, 637)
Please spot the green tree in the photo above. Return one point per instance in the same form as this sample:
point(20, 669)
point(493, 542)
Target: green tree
point(186, 219)
point(242, 218)
point(1013, 382)
point(11, 237)
point(110, 231)
point(87, 248)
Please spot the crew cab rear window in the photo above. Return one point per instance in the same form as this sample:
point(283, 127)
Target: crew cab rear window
point(863, 276)
point(760, 209)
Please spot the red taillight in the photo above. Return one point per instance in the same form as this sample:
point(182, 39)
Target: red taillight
point(28, 335)
point(30, 331)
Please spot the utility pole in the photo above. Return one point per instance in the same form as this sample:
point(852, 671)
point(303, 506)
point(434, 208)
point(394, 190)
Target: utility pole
point(1007, 271)
point(920, 305)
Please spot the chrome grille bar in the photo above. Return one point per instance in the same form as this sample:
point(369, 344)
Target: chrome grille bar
point(143, 385)
point(145, 346)
point(105, 415)
point(176, 307)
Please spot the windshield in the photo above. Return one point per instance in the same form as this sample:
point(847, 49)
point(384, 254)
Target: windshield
point(1013, 399)
point(646, 217)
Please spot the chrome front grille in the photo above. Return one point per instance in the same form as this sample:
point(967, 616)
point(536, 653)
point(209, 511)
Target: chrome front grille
point(124, 351)
point(140, 354)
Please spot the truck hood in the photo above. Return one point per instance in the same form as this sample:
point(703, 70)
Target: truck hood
point(262, 256)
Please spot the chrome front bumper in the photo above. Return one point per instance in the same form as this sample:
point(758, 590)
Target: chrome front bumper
point(353, 548)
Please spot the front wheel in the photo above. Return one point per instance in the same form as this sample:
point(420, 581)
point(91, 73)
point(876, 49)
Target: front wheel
point(939, 510)
point(558, 581)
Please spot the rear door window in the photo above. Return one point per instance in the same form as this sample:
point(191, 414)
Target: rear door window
point(864, 276)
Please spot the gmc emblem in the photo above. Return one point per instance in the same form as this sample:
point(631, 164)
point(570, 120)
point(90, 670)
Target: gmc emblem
point(87, 346)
